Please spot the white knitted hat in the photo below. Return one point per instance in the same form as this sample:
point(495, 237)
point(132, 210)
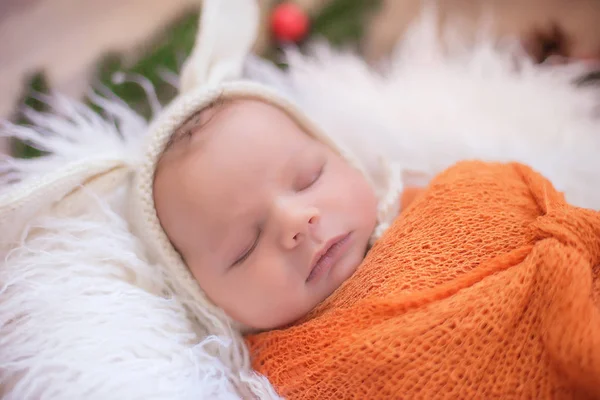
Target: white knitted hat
point(226, 33)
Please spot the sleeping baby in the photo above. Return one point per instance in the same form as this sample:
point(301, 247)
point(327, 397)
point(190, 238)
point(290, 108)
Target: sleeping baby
point(481, 288)
point(277, 240)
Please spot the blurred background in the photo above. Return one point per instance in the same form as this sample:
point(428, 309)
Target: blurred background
point(66, 45)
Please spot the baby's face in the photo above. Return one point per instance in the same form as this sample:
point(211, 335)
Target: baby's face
point(269, 221)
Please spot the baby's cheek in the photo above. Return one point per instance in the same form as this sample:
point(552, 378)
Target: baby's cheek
point(365, 198)
point(273, 288)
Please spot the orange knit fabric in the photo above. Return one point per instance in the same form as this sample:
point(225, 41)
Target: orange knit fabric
point(486, 286)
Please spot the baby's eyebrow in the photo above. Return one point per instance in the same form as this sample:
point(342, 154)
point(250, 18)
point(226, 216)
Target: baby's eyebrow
point(295, 156)
point(185, 131)
point(196, 122)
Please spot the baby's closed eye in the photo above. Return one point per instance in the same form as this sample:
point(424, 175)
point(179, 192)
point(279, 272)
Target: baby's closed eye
point(308, 176)
point(248, 251)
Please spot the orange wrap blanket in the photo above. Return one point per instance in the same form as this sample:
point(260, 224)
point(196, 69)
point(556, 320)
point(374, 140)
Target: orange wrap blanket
point(486, 286)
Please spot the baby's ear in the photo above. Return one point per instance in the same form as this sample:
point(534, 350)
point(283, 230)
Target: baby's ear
point(226, 33)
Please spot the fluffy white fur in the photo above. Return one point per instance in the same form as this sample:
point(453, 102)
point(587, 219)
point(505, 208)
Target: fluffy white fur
point(84, 315)
point(429, 108)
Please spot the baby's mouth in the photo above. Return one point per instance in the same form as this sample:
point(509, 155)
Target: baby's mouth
point(328, 256)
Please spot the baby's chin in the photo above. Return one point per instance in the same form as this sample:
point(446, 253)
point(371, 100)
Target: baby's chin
point(342, 274)
point(282, 319)
point(356, 257)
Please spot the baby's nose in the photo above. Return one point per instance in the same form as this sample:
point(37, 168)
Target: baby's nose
point(297, 224)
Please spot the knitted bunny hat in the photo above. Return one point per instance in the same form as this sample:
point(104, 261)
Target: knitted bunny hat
point(226, 33)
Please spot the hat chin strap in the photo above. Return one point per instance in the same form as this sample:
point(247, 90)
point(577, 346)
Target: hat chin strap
point(226, 33)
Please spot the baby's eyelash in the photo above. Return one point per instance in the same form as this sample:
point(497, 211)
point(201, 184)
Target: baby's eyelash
point(320, 173)
point(248, 252)
point(315, 179)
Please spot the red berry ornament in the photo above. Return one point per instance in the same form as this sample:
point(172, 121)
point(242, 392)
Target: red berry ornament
point(289, 23)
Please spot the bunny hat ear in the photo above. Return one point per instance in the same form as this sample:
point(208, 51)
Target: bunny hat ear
point(227, 31)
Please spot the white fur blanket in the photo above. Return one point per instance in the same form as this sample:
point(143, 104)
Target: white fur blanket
point(84, 316)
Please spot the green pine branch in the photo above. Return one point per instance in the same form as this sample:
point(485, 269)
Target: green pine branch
point(342, 22)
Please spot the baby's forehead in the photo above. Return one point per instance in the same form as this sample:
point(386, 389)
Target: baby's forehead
point(247, 132)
